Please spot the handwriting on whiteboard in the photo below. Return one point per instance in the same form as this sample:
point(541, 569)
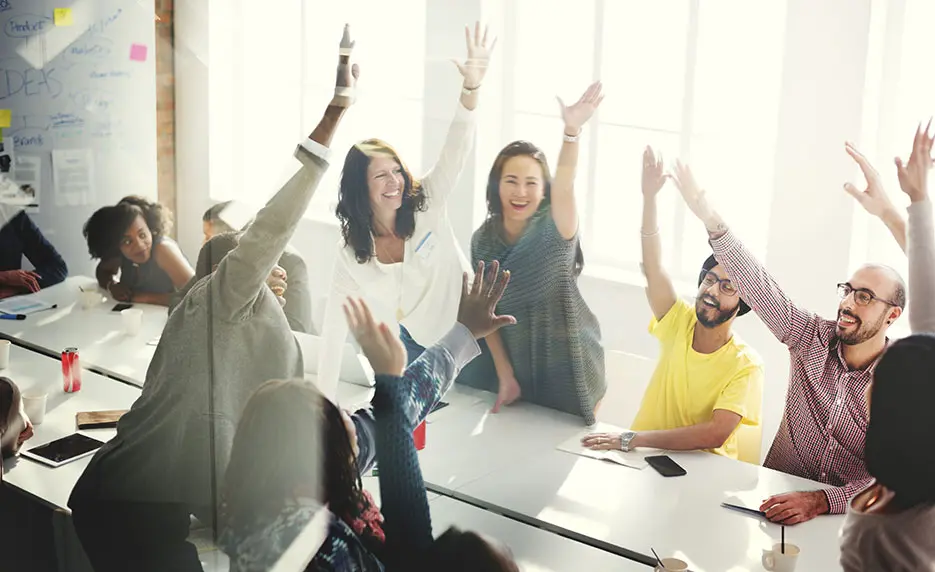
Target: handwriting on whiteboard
point(109, 74)
point(26, 25)
point(28, 82)
point(90, 48)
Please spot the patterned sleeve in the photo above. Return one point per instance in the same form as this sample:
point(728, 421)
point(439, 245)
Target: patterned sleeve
point(790, 324)
point(838, 497)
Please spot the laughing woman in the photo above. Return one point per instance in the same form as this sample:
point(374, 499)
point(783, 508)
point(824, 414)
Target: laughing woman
point(553, 356)
point(398, 250)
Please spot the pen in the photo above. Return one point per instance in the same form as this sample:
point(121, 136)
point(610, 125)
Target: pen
point(52, 307)
point(12, 316)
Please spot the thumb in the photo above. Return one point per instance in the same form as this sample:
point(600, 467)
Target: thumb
point(501, 321)
point(497, 405)
point(561, 104)
point(852, 191)
point(460, 67)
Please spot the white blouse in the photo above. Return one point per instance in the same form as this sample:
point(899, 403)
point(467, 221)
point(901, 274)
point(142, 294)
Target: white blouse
point(425, 288)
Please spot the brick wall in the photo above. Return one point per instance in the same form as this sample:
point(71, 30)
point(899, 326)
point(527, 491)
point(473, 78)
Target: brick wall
point(165, 104)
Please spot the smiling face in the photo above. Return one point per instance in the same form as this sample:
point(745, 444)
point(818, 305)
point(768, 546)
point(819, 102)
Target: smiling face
point(522, 188)
point(858, 322)
point(137, 241)
point(385, 183)
point(714, 306)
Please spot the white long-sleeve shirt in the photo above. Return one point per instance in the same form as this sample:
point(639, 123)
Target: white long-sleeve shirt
point(920, 249)
point(425, 288)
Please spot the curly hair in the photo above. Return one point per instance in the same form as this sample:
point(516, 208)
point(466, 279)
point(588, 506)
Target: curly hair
point(104, 229)
point(495, 207)
point(354, 210)
point(10, 400)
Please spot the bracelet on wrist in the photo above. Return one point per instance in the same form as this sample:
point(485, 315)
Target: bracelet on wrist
point(469, 90)
point(645, 234)
point(571, 138)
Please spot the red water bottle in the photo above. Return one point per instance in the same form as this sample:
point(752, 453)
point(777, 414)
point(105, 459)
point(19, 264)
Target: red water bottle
point(71, 370)
point(418, 436)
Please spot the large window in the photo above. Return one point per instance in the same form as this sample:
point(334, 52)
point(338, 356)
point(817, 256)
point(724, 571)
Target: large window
point(697, 79)
point(271, 79)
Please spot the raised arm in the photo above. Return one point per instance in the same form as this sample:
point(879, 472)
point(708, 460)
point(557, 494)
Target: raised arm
point(48, 263)
point(564, 209)
point(659, 288)
point(874, 198)
point(790, 324)
point(244, 271)
point(913, 180)
point(442, 178)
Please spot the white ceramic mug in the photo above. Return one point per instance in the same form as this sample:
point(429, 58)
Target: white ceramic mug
point(34, 403)
point(672, 565)
point(132, 321)
point(4, 354)
point(781, 559)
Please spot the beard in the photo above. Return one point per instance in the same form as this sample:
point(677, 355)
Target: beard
point(720, 316)
point(862, 332)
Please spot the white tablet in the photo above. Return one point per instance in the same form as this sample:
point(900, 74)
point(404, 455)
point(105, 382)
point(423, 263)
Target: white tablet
point(64, 450)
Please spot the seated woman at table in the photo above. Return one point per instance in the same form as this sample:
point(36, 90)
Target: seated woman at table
point(19, 237)
point(138, 261)
point(15, 427)
point(266, 509)
point(131, 506)
point(553, 357)
point(298, 297)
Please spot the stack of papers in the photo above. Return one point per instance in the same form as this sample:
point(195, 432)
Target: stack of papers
point(23, 305)
point(632, 459)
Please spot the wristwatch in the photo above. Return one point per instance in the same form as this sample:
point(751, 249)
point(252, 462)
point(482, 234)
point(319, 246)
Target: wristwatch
point(625, 438)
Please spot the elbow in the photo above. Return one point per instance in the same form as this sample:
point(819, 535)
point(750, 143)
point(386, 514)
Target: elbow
point(715, 438)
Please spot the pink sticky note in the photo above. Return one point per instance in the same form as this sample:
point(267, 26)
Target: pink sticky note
point(138, 52)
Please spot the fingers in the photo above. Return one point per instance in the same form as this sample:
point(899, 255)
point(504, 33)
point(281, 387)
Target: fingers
point(464, 284)
point(467, 37)
point(496, 293)
point(853, 191)
point(493, 278)
point(478, 279)
point(862, 161)
point(32, 284)
point(477, 36)
point(496, 406)
point(561, 104)
point(355, 71)
point(460, 67)
point(387, 336)
point(350, 314)
point(785, 514)
point(366, 318)
point(483, 41)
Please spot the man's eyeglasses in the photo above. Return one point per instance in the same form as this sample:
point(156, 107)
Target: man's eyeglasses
point(862, 296)
point(725, 286)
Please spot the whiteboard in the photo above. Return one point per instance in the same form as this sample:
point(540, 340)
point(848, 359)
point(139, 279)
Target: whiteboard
point(75, 90)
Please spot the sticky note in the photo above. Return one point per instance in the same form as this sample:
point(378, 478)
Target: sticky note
point(5, 117)
point(138, 52)
point(63, 17)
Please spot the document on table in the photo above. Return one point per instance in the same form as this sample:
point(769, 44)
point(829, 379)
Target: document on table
point(632, 459)
point(23, 305)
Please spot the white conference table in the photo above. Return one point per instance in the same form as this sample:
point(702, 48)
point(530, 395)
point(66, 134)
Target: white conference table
point(97, 332)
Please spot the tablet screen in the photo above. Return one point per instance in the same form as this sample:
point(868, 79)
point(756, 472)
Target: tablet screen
point(65, 449)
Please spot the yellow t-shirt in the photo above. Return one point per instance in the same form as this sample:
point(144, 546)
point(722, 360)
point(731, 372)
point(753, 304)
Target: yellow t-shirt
point(688, 386)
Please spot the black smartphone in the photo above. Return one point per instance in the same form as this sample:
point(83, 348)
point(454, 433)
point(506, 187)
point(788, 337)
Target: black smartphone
point(121, 307)
point(665, 466)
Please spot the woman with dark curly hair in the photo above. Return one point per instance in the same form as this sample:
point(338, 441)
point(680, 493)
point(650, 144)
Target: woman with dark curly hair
point(130, 239)
point(398, 249)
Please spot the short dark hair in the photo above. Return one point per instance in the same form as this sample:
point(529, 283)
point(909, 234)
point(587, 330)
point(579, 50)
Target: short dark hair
point(459, 550)
point(214, 251)
point(901, 422)
point(105, 228)
point(495, 208)
point(354, 210)
point(710, 263)
point(9, 402)
point(214, 212)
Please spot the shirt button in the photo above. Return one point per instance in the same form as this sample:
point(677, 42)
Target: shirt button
point(823, 475)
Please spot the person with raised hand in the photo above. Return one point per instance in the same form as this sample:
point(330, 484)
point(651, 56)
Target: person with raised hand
point(821, 436)
point(397, 248)
point(874, 198)
point(131, 507)
point(553, 357)
point(707, 382)
point(889, 524)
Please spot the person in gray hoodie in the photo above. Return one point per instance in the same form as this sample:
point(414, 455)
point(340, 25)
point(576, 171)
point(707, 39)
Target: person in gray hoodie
point(131, 508)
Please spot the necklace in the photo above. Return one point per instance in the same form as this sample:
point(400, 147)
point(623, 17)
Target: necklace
point(399, 297)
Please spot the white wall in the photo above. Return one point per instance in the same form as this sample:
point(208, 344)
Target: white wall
point(810, 217)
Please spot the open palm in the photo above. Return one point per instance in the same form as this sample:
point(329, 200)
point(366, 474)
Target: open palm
point(913, 176)
point(475, 67)
point(873, 198)
point(577, 114)
point(653, 175)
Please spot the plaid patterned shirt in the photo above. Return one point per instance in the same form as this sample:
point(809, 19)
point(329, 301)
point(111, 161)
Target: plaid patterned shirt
point(821, 436)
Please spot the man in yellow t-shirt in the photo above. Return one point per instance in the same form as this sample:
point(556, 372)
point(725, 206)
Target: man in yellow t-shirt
point(707, 382)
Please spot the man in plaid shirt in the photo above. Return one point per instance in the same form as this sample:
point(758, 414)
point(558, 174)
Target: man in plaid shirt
point(821, 436)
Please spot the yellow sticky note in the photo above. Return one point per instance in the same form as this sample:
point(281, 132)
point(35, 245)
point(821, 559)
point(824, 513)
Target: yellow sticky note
point(6, 116)
point(63, 17)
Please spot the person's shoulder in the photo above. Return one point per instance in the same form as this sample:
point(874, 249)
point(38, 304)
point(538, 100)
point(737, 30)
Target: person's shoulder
point(291, 258)
point(745, 354)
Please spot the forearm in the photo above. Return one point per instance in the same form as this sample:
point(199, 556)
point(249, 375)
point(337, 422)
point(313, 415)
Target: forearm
point(567, 166)
point(324, 131)
point(839, 497)
point(152, 298)
point(691, 438)
point(501, 359)
point(105, 274)
point(365, 427)
point(651, 242)
point(896, 224)
point(921, 252)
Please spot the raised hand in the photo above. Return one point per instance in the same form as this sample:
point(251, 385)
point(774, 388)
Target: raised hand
point(694, 196)
point(479, 301)
point(474, 68)
point(653, 175)
point(346, 82)
point(873, 198)
point(577, 114)
point(913, 176)
point(382, 346)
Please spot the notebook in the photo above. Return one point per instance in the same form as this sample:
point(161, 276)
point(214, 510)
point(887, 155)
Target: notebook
point(98, 419)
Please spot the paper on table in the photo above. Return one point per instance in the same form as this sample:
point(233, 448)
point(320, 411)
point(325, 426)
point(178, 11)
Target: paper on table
point(73, 177)
point(632, 459)
point(23, 305)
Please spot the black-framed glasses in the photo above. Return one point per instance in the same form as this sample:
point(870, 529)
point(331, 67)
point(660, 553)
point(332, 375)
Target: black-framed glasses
point(862, 296)
point(725, 286)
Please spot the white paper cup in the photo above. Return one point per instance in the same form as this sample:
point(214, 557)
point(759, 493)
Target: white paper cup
point(4, 354)
point(90, 298)
point(779, 559)
point(132, 321)
point(672, 565)
point(34, 403)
